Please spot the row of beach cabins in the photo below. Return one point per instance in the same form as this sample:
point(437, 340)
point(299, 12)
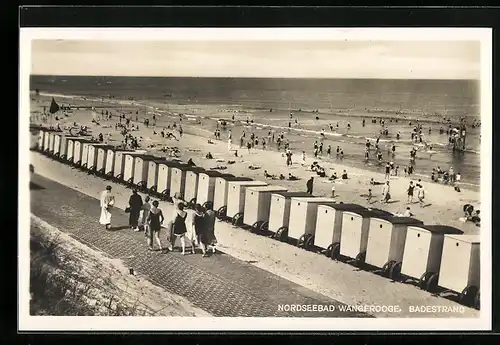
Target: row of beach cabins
point(437, 258)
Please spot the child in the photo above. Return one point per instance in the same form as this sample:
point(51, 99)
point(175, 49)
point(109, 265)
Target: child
point(369, 196)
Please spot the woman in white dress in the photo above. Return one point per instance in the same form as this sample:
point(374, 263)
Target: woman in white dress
point(107, 200)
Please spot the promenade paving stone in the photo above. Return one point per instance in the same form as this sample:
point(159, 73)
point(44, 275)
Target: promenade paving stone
point(222, 285)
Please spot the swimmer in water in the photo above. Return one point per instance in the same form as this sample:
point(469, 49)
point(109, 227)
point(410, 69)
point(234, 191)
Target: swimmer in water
point(348, 125)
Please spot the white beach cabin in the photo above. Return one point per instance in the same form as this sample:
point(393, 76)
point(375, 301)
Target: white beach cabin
point(165, 168)
point(355, 229)
point(206, 186)
point(303, 216)
point(258, 206)
point(279, 212)
point(191, 188)
point(178, 180)
point(236, 198)
point(329, 227)
point(423, 252)
point(141, 166)
point(386, 241)
point(460, 267)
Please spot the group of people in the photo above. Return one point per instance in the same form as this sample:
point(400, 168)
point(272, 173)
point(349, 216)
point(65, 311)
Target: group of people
point(146, 216)
point(447, 177)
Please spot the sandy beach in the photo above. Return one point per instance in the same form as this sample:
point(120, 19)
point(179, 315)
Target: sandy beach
point(443, 205)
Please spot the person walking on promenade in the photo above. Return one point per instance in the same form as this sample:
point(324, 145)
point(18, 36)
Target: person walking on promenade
point(179, 226)
point(209, 219)
point(135, 205)
point(106, 202)
point(199, 229)
point(155, 220)
point(309, 185)
point(146, 208)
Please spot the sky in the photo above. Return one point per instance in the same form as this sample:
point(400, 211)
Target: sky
point(260, 59)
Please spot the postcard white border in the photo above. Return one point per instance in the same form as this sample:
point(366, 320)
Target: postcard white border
point(46, 323)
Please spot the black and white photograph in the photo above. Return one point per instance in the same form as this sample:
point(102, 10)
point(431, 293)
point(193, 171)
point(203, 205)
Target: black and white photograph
point(255, 179)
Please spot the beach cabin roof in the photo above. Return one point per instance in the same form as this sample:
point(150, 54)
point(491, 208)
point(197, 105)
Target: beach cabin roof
point(347, 207)
point(321, 200)
point(212, 173)
point(248, 182)
point(293, 194)
point(269, 188)
point(105, 147)
point(374, 212)
point(168, 162)
point(146, 157)
point(466, 238)
point(400, 220)
point(182, 166)
point(196, 169)
point(441, 229)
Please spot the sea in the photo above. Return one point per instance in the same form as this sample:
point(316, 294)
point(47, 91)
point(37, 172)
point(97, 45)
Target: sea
point(317, 104)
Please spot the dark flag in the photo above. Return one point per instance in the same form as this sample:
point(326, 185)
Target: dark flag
point(54, 108)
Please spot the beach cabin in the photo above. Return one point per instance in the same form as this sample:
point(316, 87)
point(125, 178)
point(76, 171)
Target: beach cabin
point(191, 187)
point(102, 162)
point(221, 192)
point(386, 241)
point(119, 165)
point(46, 138)
point(152, 181)
point(70, 150)
point(178, 180)
point(41, 138)
point(165, 176)
point(279, 212)
point(141, 166)
point(206, 186)
point(92, 155)
point(258, 205)
point(51, 141)
point(57, 144)
point(460, 267)
point(66, 148)
point(423, 252)
point(355, 228)
point(85, 153)
point(78, 153)
point(329, 227)
point(303, 216)
point(236, 198)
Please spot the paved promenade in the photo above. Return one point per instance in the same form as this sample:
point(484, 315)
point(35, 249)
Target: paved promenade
point(220, 284)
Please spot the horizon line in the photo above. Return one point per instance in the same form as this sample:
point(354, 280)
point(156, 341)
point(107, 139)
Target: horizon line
point(244, 77)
